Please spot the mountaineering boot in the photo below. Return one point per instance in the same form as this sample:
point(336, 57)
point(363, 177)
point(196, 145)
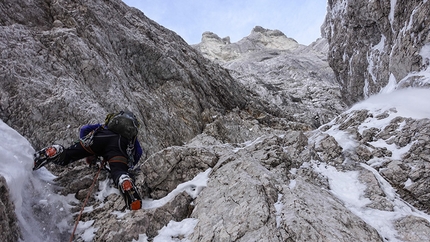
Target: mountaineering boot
point(46, 155)
point(129, 192)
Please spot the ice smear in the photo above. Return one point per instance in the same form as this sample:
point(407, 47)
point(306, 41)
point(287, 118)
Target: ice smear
point(42, 214)
point(278, 208)
point(86, 230)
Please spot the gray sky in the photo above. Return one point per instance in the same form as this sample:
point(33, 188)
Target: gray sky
point(298, 19)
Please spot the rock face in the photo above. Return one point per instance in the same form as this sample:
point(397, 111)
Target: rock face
point(253, 117)
point(294, 77)
point(227, 213)
point(260, 39)
point(9, 229)
point(372, 42)
point(74, 63)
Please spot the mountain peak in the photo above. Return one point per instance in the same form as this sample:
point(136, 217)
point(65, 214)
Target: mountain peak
point(271, 39)
point(267, 32)
point(260, 39)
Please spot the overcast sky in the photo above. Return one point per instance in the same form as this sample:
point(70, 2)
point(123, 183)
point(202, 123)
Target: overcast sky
point(298, 19)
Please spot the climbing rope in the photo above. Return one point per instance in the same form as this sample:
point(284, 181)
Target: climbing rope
point(85, 202)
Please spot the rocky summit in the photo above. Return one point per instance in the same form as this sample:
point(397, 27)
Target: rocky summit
point(277, 69)
point(259, 140)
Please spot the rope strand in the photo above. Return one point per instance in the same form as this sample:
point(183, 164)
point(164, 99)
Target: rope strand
point(85, 202)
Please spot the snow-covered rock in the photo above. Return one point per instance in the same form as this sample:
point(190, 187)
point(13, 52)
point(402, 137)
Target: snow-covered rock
point(254, 195)
point(233, 152)
point(377, 43)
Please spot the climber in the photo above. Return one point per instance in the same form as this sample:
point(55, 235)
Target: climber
point(115, 141)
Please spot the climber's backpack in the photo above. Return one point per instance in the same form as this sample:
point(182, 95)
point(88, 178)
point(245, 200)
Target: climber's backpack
point(123, 123)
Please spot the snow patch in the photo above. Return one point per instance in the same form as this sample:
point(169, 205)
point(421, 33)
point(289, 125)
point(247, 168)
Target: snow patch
point(408, 103)
point(193, 188)
point(391, 85)
point(119, 214)
point(380, 46)
point(392, 10)
point(425, 53)
point(249, 143)
point(397, 152)
point(345, 185)
point(176, 231)
point(86, 230)
point(106, 189)
point(292, 184)
point(344, 138)
point(408, 182)
point(278, 210)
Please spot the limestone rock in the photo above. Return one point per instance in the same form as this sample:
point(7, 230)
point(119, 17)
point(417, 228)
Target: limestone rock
point(278, 70)
point(217, 49)
point(409, 230)
point(9, 229)
point(165, 170)
point(374, 42)
point(247, 113)
point(227, 212)
point(108, 64)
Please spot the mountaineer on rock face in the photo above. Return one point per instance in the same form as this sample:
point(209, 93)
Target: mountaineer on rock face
point(115, 141)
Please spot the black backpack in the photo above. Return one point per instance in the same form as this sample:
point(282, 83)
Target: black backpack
point(124, 123)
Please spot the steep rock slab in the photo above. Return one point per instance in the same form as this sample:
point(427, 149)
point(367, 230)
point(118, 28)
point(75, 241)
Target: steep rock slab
point(373, 43)
point(252, 197)
point(77, 61)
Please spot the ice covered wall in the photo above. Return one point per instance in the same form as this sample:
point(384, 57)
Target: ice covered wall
point(30, 209)
point(378, 42)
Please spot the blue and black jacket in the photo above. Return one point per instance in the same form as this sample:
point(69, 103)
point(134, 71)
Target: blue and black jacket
point(86, 129)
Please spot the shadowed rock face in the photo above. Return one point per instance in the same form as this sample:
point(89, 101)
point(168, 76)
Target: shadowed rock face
point(248, 114)
point(373, 41)
point(9, 229)
point(76, 61)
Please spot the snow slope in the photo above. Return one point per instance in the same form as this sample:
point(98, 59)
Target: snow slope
point(408, 103)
